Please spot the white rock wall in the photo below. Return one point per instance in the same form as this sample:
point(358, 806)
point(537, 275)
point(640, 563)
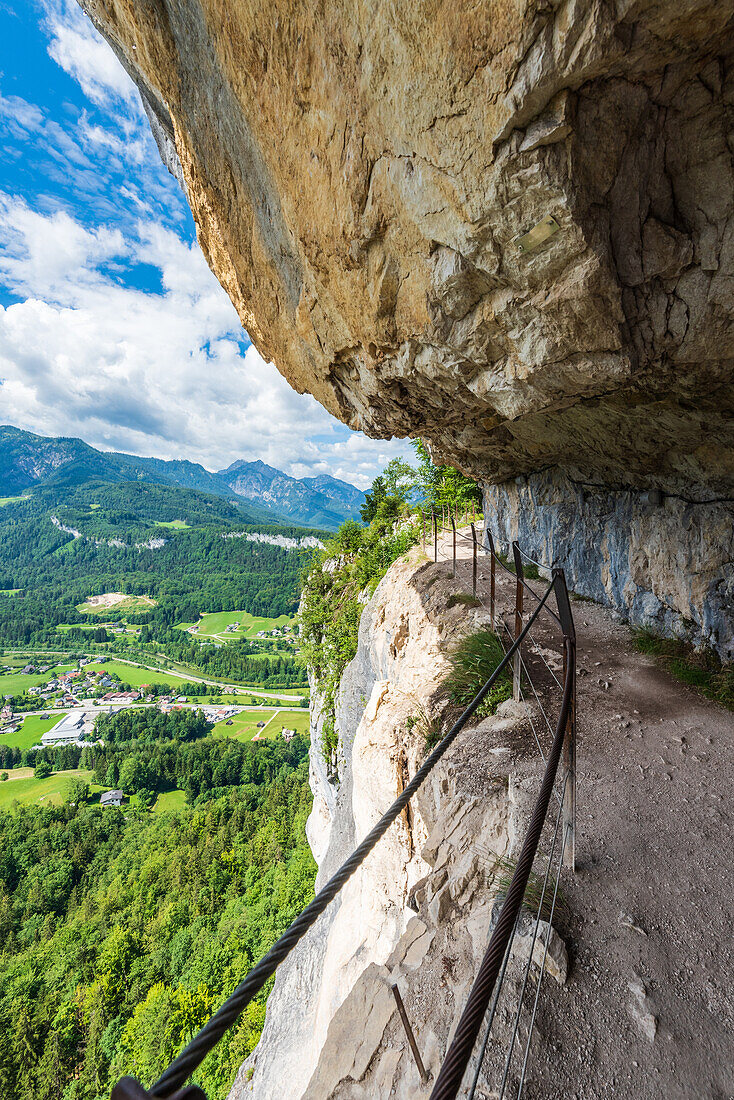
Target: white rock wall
point(404, 632)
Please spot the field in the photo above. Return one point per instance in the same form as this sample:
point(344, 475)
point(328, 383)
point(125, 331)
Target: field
point(136, 677)
point(30, 732)
point(175, 524)
point(169, 800)
point(23, 786)
point(215, 623)
point(15, 683)
point(244, 725)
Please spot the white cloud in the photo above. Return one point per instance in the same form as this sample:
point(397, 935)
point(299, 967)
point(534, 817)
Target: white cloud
point(151, 373)
point(85, 351)
point(82, 53)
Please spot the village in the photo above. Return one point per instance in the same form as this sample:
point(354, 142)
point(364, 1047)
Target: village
point(80, 694)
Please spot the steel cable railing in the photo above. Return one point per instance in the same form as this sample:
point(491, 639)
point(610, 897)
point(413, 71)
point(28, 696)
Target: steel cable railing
point(451, 1076)
point(195, 1052)
point(457, 1058)
point(499, 948)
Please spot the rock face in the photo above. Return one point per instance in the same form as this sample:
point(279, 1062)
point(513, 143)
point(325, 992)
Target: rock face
point(664, 561)
point(398, 664)
point(421, 902)
point(506, 227)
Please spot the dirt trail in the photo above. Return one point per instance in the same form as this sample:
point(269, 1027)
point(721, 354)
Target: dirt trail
point(651, 906)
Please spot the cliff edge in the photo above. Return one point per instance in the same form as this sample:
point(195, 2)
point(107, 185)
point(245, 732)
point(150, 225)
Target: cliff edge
point(635, 997)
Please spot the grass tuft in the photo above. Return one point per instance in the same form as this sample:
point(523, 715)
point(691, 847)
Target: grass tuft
point(699, 668)
point(472, 663)
point(464, 598)
point(502, 872)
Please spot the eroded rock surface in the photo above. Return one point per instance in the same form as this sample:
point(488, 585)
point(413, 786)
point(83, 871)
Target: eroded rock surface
point(664, 561)
point(362, 181)
point(405, 630)
point(506, 227)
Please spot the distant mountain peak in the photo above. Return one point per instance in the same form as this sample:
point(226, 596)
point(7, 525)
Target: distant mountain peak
point(321, 501)
point(28, 460)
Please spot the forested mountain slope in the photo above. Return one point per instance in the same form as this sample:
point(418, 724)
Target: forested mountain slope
point(187, 553)
point(265, 494)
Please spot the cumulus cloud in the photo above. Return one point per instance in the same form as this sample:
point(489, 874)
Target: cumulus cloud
point(84, 55)
point(166, 373)
point(114, 328)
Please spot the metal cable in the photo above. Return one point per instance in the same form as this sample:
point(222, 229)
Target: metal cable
point(526, 975)
point(537, 697)
point(492, 1013)
point(527, 557)
point(522, 697)
point(458, 1055)
point(535, 596)
point(522, 580)
point(194, 1053)
point(542, 968)
point(537, 650)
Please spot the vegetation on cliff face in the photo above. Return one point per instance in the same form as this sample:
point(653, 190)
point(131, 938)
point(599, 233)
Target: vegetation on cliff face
point(121, 931)
point(338, 584)
point(344, 575)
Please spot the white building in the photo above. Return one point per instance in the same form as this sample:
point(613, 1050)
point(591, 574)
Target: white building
point(76, 725)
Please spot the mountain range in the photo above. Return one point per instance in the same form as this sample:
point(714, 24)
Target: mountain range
point(28, 461)
point(321, 501)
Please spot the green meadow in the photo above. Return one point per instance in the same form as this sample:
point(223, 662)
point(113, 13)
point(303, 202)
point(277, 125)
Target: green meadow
point(244, 725)
point(169, 800)
point(30, 732)
point(21, 785)
point(15, 683)
point(215, 623)
point(131, 674)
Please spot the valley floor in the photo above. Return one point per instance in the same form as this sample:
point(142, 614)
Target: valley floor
point(650, 922)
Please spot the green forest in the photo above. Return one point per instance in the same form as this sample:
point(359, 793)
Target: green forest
point(121, 931)
point(187, 569)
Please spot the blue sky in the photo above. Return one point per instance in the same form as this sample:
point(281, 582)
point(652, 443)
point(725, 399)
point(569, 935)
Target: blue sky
point(112, 327)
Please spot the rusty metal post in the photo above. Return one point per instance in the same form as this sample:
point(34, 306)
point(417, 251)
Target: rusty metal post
point(453, 531)
point(409, 1032)
point(492, 577)
point(474, 561)
point(569, 744)
point(423, 529)
point(519, 593)
point(435, 537)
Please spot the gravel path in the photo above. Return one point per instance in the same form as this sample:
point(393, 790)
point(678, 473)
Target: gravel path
point(647, 1010)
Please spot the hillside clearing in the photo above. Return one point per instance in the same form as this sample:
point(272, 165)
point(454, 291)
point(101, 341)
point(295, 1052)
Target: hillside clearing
point(214, 625)
point(29, 790)
point(120, 601)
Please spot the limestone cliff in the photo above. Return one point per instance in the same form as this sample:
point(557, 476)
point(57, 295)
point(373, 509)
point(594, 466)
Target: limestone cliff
point(331, 1018)
point(506, 227)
